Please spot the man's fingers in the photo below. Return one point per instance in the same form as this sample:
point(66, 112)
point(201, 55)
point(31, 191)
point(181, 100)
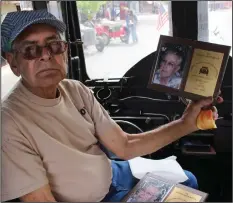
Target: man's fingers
point(215, 115)
point(219, 99)
point(204, 102)
point(214, 109)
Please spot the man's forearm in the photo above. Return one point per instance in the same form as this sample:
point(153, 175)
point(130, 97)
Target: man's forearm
point(151, 141)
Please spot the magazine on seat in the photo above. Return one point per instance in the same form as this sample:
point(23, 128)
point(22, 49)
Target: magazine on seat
point(188, 68)
point(153, 188)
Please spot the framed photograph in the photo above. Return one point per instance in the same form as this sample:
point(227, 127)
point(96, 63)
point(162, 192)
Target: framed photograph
point(187, 68)
point(153, 188)
point(149, 189)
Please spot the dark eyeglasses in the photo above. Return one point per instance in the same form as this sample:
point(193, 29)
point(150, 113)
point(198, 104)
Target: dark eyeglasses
point(34, 51)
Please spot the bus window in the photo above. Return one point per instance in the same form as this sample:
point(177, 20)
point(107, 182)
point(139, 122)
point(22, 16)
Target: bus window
point(8, 79)
point(118, 34)
point(26, 5)
point(54, 7)
point(215, 26)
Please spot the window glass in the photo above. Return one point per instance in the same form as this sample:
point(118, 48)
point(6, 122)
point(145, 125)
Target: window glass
point(6, 7)
point(54, 7)
point(118, 34)
point(26, 5)
point(215, 22)
point(8, 79)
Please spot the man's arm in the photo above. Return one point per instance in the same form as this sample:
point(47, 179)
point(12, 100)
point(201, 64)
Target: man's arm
point(22, 168)
point(127, 146)
point(42, 194)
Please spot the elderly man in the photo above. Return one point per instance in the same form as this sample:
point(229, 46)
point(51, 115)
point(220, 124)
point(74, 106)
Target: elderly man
point(169, 66)
point(52, 126)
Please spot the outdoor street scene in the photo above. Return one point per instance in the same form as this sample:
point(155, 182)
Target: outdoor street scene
point(118, 51)
point(118, 57)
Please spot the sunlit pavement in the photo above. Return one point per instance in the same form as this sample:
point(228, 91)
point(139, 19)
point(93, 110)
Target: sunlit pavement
point(118, 57)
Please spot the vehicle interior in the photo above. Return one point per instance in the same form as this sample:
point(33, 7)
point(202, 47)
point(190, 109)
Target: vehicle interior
point(118, 74)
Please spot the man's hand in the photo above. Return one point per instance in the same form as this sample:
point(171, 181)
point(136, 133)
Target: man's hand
point(192, 111)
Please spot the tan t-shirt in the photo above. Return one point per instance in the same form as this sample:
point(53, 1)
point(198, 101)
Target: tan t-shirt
point(50, 141)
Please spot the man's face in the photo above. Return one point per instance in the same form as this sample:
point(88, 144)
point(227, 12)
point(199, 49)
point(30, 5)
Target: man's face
point(169, 65)
point(147, 193)
point(45, 71)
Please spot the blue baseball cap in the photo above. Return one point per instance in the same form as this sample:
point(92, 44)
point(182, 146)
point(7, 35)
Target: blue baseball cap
point(16, 22)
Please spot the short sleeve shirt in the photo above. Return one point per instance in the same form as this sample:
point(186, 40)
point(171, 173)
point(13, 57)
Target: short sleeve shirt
point(49, 141)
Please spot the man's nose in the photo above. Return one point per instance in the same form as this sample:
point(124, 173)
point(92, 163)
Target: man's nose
point(45, 55)
point(164, 66)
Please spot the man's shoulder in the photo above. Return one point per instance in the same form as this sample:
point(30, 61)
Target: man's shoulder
point(177, 77)
point(73, 86)
point(175, 81)
point(75, 90)
point(8, 122)
point(70, 83)
point(12, 98)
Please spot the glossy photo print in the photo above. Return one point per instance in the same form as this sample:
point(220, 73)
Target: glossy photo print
point(150, 190)
point(153, 188)
point(169, 66)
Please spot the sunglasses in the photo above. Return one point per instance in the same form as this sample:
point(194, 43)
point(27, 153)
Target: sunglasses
point(34, 51)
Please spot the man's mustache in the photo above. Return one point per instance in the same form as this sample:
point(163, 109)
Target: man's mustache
point(49, 65)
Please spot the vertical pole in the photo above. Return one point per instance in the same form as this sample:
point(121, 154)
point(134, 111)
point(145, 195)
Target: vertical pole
point(170, 32)
point(203, 21)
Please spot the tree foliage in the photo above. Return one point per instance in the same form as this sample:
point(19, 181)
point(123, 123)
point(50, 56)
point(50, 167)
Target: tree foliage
point(90, 8)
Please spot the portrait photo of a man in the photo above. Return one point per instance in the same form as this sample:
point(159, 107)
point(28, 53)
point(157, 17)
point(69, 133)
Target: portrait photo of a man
point(153, 191)
point(169, 67)
point(146, 194)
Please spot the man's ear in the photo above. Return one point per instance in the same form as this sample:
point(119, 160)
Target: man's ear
point(12, 62)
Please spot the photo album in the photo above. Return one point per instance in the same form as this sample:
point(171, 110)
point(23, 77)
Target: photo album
point(152, 188)
point(188, 68)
